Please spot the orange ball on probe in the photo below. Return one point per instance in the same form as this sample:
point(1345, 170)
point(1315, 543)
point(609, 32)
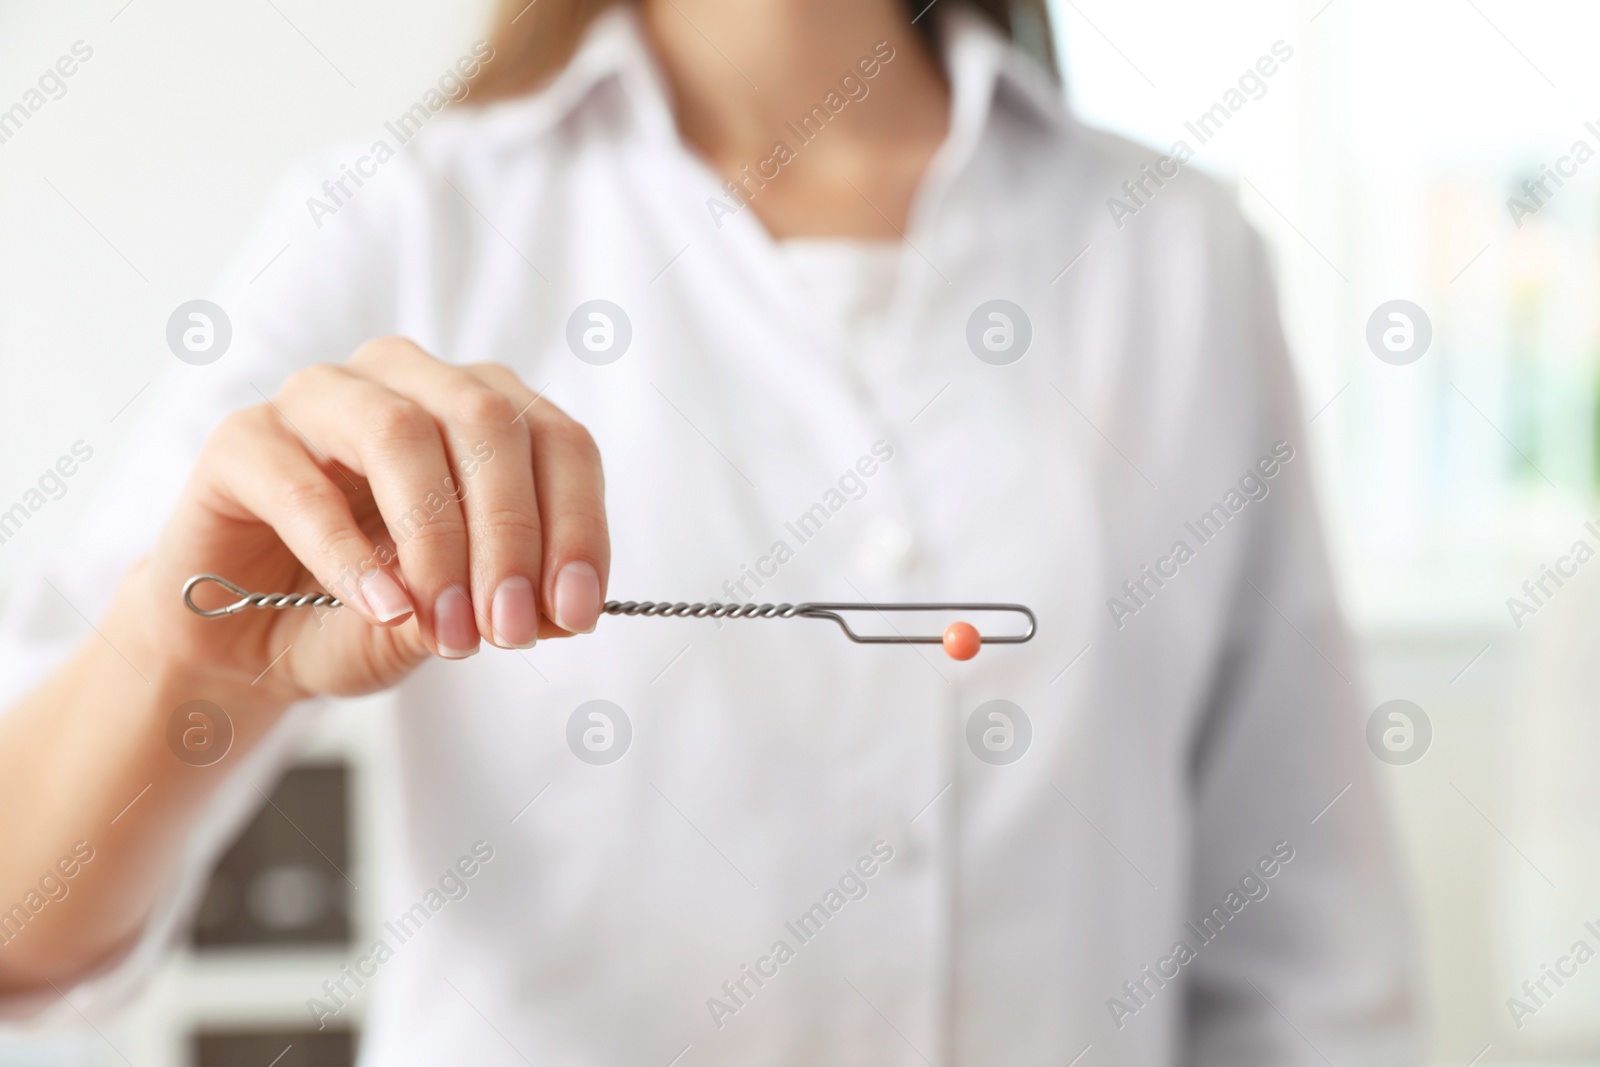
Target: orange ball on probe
point(961, 640)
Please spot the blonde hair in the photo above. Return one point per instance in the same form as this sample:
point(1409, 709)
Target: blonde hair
point(534, 41)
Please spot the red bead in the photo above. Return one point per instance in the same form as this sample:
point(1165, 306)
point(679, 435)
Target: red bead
point(961, 640)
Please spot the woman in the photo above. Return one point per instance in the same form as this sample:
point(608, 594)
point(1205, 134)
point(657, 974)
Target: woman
point(838, 298)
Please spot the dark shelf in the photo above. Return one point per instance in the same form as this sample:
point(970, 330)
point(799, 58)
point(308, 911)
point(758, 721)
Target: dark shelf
point(280, 883)
point(279, 1048)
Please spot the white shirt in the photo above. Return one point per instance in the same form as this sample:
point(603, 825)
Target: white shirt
point(849, 286)
point(1173, 749)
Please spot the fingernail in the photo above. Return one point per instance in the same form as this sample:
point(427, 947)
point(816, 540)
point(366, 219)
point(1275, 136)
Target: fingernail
point(384, 597)
point(577, 598)
point(455, 631)
point(515, 614)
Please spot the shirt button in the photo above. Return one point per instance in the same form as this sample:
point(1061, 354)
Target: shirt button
point(887, 549)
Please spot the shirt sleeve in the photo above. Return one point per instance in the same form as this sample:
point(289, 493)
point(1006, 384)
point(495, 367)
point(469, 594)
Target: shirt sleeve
point(1322, 972)
point(308, 287)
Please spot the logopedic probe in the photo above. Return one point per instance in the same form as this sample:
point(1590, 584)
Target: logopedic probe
point(961, 640)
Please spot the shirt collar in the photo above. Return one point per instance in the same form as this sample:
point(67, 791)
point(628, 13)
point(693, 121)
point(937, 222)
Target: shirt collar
point(986, 72)
point(611, 53)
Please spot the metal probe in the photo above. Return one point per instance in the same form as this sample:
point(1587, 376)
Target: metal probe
point(961, 640)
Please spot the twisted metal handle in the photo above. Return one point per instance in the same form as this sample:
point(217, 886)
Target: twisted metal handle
point(711, 610)
point(248, 600)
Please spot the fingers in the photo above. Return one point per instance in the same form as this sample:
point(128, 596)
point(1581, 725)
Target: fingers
point(489, 447)
point(397, 446)
point(494, 498)
point(571, 500)
point(268, 474)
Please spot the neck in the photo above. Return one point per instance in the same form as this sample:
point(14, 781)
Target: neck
point(744, 73)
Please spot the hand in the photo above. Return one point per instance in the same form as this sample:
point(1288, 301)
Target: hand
point(441, 504)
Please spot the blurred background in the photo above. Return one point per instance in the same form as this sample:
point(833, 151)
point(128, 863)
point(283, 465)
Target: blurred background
point(1379, 164)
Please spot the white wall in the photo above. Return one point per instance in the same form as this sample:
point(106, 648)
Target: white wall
point(166, 141)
